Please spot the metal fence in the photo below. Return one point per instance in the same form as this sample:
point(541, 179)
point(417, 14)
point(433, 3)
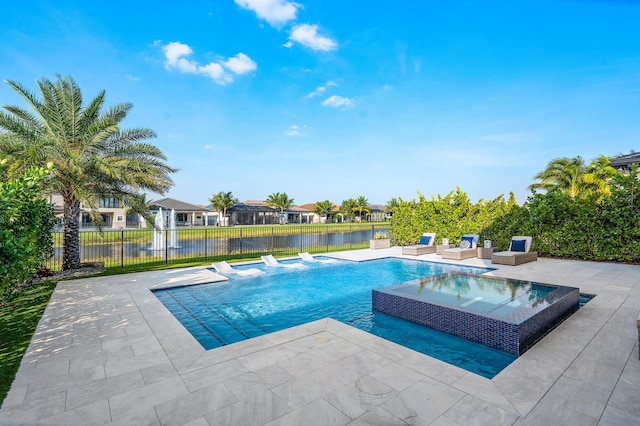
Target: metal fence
point(147, 247)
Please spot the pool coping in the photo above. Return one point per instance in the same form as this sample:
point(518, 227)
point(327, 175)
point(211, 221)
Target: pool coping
point(107, 351)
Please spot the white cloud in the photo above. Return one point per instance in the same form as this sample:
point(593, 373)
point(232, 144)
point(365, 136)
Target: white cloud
point(321, 89)
point(240, 64)
point(214, 71)
point(307, 35)
point(295, 130)
point(317, 92)
point(175, 54)
point(275, 12)
point(339, 102)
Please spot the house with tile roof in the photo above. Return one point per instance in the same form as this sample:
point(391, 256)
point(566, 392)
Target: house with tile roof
point(314, 217)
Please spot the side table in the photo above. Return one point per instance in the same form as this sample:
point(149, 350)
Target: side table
point(442, 247)
point(485, 253)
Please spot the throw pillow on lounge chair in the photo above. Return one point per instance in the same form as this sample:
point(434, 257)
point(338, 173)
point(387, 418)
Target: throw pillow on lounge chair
point(468, 238)
point(518, 245)
point(425, 246)
point(468, 248)
point(517, 254)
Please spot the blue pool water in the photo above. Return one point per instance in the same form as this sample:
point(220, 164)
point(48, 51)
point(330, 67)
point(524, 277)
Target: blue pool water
point(244, 307)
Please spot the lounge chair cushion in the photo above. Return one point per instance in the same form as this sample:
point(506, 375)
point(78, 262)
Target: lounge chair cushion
point(518, 245)
point(469, 239)
point(425, 239)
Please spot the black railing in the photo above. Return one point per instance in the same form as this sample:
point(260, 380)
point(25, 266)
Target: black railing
point(147, 247)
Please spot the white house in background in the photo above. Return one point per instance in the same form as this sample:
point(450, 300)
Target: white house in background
point(113, 213)
point(186, 214)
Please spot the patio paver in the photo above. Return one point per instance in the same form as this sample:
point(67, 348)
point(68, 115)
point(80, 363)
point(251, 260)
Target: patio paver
point(108, 352)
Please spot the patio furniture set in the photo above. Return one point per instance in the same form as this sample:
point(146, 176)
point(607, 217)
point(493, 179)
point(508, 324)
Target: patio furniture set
point(517, 254)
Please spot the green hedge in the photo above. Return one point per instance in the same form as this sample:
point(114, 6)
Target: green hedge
point(449, 217)
point(26, 221)
point(599, 228)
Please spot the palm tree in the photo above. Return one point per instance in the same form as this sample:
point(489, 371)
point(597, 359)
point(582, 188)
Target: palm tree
point(221, 202)
point(361, 205)
point(93, 156)
point(392, 204)
point(599, 173)
point(347, 208)
point(323, 208)
point(280, 201)
point(573, 177)
point(564, 174)
point(139, 205)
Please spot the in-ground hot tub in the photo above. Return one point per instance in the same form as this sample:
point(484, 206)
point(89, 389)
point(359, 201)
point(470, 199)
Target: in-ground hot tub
point(510, 315)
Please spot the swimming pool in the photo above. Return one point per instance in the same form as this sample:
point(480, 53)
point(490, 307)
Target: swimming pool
point(244, 307)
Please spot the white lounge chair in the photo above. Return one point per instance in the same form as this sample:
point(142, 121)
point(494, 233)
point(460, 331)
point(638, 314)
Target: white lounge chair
point(465, 251)
point(517, 254)
point(425, 245)
point(225, 269)
point(269, 260)
point(308, 258)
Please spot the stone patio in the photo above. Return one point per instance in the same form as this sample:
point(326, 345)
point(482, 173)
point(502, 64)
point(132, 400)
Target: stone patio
point(108, 352)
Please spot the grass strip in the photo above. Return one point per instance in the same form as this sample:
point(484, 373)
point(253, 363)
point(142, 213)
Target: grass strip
point(18, 321)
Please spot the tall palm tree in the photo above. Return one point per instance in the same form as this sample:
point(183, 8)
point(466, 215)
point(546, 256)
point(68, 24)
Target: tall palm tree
point(574, 177)
point(361, 205)
point(93, 156)
point(323, 208)
point(221, 202)
point(279, 201)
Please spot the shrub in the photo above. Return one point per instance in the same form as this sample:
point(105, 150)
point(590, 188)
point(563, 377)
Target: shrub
point(449, 217)
point(26, 222)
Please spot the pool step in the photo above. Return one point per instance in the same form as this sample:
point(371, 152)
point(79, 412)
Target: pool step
point(191, 321)
point(229, 323)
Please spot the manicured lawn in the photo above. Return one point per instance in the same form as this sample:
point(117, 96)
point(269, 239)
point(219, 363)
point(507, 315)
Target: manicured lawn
point(18, 321)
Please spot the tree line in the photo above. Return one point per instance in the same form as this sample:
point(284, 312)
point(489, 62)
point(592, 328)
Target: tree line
point(223, 201)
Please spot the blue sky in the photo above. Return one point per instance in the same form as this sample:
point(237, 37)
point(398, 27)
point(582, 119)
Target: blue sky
point(335, 99)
